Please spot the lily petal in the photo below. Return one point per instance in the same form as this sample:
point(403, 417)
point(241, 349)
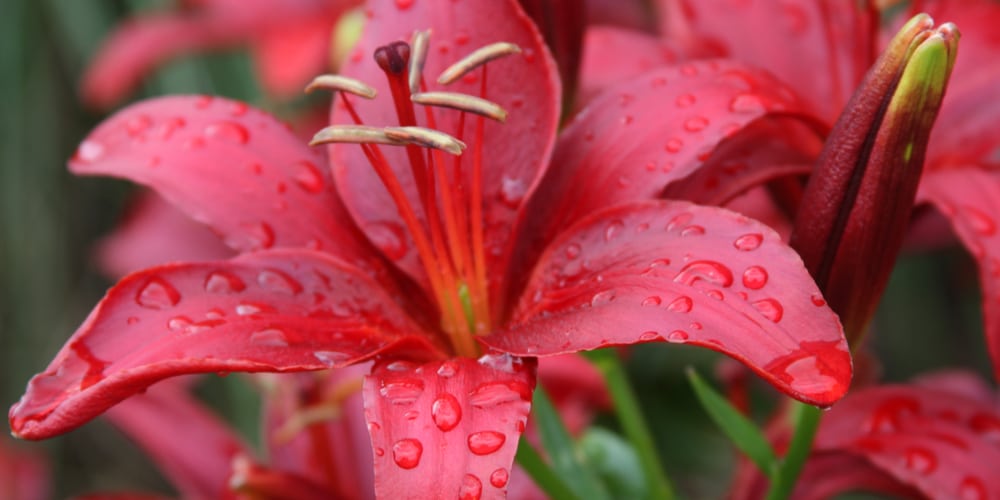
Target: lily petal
point(970, 199)
point(232, 167)
point(447, 429)
point(825, 475)
point(780, 35)
point(282, 310)
point(290, 54)
point(168, 423)
point(514, 153)
point(676, 272)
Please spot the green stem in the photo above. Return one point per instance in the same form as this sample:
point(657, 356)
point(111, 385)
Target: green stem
point(806, 420)
point(633, 423)
point(546, 479)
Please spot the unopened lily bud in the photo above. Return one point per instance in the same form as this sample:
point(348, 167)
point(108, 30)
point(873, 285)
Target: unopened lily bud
point(855, 209)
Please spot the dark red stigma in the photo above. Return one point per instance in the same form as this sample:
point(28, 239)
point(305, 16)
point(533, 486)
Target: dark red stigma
point(393, 58)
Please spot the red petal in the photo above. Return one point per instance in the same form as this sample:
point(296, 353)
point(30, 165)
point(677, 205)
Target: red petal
point(154, 232)
point(193, 447)
point(251, 480)
point(821, 48)
point(447, 429)
point(315, 426)
point(627, 146)
point(283, 310)
point(291, 54)
point(232, 167)
point(676, 272)
point(970, 199)
point(970, 112)
point(514, 153)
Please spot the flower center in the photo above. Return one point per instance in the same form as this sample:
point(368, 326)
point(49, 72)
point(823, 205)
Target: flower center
point(449, 235)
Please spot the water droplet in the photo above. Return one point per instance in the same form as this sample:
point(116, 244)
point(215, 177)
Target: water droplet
point(685, 100)
point(755, 277)
point(747, 103)
point(446, 412)
point(309, 177)
point(497, 393)
point(499, 478)
point(136, 125)
point(649, 336)
point(411, 415)
point(770, 309)
point(979, 221)
point(471, 489)
point(613, 229)
point(157, 294)
point(379, 452)
point(889, 415)
point(693, 230)
point(512, 192)
point(652, 301)
point(972, 488)
point(715, 294)
point(238, 108)
point(461, 37)
point(89, 151)
point(400, 366)
point(572, 251)
point(131, 320)
point(203, 101)
point(406, 452)
point(388, 237)
point(677, 336)
point(223, 282)
point(331, 358)
point(402, 392)
point(277, 281)
point(748, 242)
point(447, 369)
point(682, 304)
point(260, 234)
point(696, 124)
point(271, 337)
point(707, 270)
point(179, 324)
point(602, 298)
point(486, 442)
point(987, 426)
point(674, 145)
point(695, 325)
point(920, 460)
point(228, 131)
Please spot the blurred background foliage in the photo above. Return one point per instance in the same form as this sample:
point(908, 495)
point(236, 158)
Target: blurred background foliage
point(50, 220)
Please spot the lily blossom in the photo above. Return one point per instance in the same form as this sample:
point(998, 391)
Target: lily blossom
point(290, 41)
point(455, 295)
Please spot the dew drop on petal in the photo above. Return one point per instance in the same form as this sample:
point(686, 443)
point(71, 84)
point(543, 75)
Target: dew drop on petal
point(179, 324)
point(389, 237)
point(400, 366)
point(406, 452)
point(447, 369)
point(693, 230)
point(920, 460)
point(89, 151)
point(696, 124)
point(614, 228)
point(331, 358)
point(706, 270)
point(309, 177)
point(499, 478)
point(987, 426)
point(223, 282)
point(770, 309)
point(685, 100)
point(496, 393)
point(677, 336)
point(748, 242)
point(446, 412)
point(747, 103)
point(486, 442)
point(271, 337)
point(652, 301)
point(649, 336)
point(818, 300)
point(889, 415)
point(674, 145)
point(572, 251)
point(228, 131)
point(754, 277)
point(682, 304)
point(471, 489)
point(602, 298)
point(157, 294)
point(402, 392)
point(972, 488)
point(512, 192)
point(277, 281)
point(260, 234)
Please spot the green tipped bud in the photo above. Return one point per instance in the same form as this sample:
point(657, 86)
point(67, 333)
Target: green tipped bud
point(855, 209)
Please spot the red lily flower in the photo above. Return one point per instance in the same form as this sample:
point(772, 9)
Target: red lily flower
point(290, 42)
point(450, 331)
point(938, 437)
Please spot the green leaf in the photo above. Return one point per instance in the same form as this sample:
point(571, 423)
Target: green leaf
point(616, 461)
point(737, 427)
point(561, 450)
point(543, 475)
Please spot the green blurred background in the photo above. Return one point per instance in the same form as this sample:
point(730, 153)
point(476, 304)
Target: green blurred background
point(49, 221)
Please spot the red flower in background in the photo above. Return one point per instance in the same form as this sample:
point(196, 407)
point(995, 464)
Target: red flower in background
point(290, 41)
point(462, 288)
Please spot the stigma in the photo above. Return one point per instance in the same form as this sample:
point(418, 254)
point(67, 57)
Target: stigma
point(445, 218)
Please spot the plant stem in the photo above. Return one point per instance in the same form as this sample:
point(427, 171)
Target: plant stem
point(633, 423)
point(806, 420)
point(544, 476)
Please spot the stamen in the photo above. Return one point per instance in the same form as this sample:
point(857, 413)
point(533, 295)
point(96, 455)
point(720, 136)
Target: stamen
point(354, 134)
point(338, 83)
point(426, 137)
point(462, 102)
point(393, 58)
point(476, 59)
point(417, 58)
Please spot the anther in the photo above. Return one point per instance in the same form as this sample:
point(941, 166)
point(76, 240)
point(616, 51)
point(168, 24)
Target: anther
point(355, 134)
point(426, 137)
point(417, 58)
point(462, 102)
point(338, 83)
point(476, 59)
point(393, 58)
